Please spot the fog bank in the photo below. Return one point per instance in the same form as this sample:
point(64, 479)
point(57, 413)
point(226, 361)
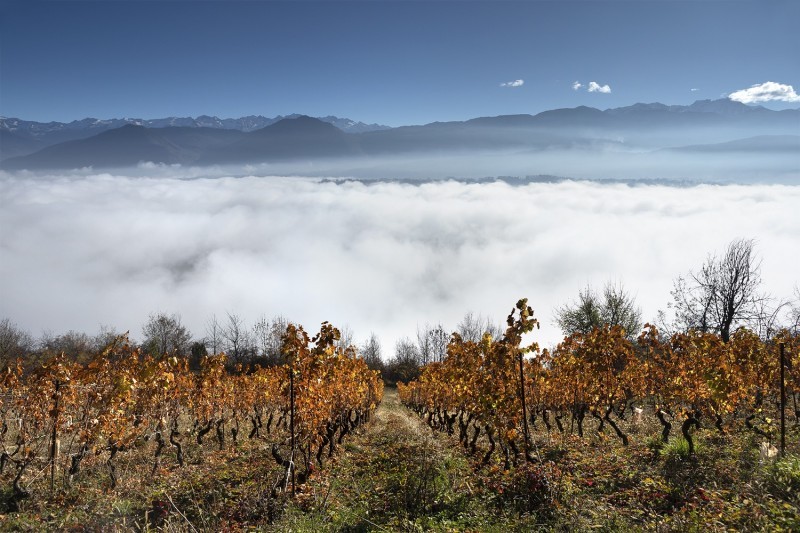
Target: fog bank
point(80, 251)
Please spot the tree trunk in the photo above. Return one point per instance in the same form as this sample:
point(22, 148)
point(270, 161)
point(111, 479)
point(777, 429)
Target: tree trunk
point(748, 421)
point(546, 419)
point(718, 424)
point(157, 453)
point(615, 427)
point(221, 433)
point(691, 420)
point(489, 435)
point(667, 426)
point(112, 469)
point(580, 414)
point(75, 461)
point(473, 444)
point(203, 431)
point(601, 423)
point(173, 439)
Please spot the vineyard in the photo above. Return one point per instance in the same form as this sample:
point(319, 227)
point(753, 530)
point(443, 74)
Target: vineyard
point(66, 424)
point(502, 398)
point(661, 433)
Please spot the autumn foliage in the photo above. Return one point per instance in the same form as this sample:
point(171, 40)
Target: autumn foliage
point(64, 414)
point(600, 375)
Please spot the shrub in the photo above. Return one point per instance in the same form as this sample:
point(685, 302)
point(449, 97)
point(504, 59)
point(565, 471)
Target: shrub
point(783, 478)
point(678, 449)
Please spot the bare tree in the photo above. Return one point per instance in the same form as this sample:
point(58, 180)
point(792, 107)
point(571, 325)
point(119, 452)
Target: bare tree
point(268, 338)
point(723, 293)
point(424, 345)
point(616, 307)
point(770, 316)
point(371, 352)
point(794, 313)
point(14, 341)
point(236, 338)
point(164, 334)
point(346, 337)
point(75, 345)
point(106, 336)
point(406, 352)
point(432, 343)
point(472, 328)
point(439, 339)
point(406, 362)
point(213, 338)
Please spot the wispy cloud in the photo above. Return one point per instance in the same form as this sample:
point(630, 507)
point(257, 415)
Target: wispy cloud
point(694, 90)
point(515, 83)
point(765, 92)
point(380, 257)
point(595, 87)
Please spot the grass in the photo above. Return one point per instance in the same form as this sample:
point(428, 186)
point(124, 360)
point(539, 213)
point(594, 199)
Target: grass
point(396, 474)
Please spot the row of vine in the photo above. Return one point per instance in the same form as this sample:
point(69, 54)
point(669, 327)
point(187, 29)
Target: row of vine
point(497, 387)
point(64, 414)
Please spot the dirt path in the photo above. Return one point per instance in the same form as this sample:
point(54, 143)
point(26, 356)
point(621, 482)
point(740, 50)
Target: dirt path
point(395, 474)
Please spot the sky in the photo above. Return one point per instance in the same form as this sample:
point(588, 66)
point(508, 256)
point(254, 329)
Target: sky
point(387, 62)
point(83, 249)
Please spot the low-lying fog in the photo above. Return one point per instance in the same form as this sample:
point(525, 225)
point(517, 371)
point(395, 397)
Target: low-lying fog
point(85, 250)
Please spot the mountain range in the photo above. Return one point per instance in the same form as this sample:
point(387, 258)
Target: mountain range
point(22, 137)
point(714, 126)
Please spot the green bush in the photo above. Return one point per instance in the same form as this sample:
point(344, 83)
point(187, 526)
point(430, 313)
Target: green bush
point(783, 478)
point(678, 448)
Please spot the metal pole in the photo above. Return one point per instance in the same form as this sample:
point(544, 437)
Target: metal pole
point(783, 399)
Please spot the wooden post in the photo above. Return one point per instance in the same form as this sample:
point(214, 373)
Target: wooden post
point(291, 423)
point(783, 399)
point(524, 407)
point(54, 437)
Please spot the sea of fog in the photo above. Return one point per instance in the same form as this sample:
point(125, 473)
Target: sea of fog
point(83, 250)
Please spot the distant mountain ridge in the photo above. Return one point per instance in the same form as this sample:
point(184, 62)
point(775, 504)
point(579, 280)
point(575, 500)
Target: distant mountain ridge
point(205, 141)
point(248, 123)
point(21, 137)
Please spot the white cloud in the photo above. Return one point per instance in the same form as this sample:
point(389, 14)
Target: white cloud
point(384, 257)
point(765, 92)
point(515, 83)
point(577, 85)
point(694, 90)
point(595, 87)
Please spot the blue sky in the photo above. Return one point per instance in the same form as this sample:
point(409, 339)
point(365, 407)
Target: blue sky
point(381, 61)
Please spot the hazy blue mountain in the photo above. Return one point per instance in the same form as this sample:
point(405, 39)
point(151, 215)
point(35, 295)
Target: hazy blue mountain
point(126, 146)
point(302, 137)
point(20, 137)
point(759, 144)
point(12, 145)
point(722, 124)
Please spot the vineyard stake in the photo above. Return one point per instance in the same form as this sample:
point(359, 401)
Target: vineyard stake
point(783, 399)
point(291, 422)
point(54, 437)
point(524, 408)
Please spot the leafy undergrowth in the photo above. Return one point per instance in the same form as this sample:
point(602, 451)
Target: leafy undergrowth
point(399, 475)
point(227, 489)
point(396, 474)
